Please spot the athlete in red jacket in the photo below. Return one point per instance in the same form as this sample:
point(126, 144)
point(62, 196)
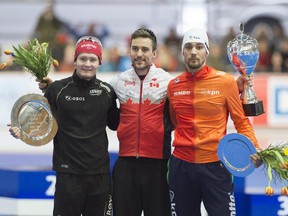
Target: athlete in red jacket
point(144, 133)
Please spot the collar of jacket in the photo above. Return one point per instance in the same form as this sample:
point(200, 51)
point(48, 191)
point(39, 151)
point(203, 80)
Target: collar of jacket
point(201, 74)
point(151, 67)
point(82, 82)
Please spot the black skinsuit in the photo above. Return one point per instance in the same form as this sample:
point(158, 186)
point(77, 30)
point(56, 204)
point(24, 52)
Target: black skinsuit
point(82, 109)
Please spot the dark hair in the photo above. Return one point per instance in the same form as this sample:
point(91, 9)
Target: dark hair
point(145, 33)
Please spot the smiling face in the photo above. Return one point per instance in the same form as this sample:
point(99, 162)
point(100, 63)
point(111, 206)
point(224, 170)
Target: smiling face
point(86, 65)
point(142, 54)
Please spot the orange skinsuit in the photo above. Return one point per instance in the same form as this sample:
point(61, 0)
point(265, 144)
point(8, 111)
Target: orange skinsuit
point(200, 105)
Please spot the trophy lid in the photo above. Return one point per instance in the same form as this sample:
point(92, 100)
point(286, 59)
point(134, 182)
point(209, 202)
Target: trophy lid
point(243, 42)
point(31, 113)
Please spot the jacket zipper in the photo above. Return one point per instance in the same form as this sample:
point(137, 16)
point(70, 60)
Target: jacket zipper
point(139, 117)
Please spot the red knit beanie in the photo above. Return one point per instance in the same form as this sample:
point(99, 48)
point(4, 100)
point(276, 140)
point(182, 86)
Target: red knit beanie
point(88, 45)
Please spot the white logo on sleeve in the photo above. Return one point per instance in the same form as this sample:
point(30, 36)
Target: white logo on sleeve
point(179, 93)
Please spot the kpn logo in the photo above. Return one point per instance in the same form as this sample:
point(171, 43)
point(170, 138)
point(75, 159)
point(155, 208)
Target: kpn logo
point(210, 92)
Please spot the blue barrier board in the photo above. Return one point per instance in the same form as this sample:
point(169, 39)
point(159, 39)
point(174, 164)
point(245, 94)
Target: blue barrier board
point(29, 176)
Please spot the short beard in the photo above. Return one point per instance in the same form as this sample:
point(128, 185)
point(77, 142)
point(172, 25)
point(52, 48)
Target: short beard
point(194, 67)
point(137, 68)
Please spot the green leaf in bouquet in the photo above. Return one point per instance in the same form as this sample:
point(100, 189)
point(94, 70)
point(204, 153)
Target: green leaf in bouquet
point(278, 156)
point(36, 58)
point(269, 173)
point(275, 160)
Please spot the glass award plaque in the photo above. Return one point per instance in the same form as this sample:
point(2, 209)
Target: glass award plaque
point(32, 114)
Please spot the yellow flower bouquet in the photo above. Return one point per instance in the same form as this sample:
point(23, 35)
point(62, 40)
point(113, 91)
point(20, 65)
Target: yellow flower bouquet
point(35, 58)
point(275, 161)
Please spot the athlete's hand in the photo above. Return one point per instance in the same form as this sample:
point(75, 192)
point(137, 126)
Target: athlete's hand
point(14, 131)
point(256, 160)
point(243, 80)
point(43, 84)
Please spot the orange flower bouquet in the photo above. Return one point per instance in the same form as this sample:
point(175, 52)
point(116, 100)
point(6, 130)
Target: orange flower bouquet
point(36, 58)
point(275, 161)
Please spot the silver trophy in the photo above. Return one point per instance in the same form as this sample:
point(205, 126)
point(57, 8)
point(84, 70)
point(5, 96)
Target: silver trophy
point(243, 54)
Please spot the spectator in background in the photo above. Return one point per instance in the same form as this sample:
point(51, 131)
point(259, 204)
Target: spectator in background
point(67, 64)
point(166, 60)
point(53, 30)
point(172, 40)
point(215, 58)
point(230, 35)
point(276, 61)
point(173, 43)
point(110, 60)
point(48, 26)
point(265, 53)
point(48, 29)
point(278, 38)
point(58, 48)
point(279, 57)
point(284, 54)
point(98, 30)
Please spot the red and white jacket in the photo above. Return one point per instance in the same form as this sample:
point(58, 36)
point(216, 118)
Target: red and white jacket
point(145, 128)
